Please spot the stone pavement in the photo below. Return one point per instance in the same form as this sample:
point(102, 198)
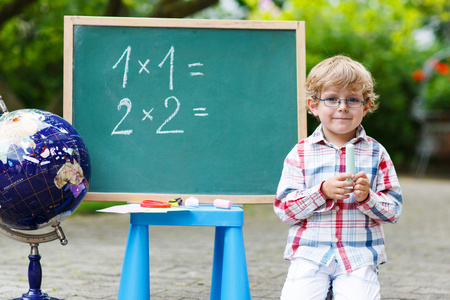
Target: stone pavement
point(89, 267)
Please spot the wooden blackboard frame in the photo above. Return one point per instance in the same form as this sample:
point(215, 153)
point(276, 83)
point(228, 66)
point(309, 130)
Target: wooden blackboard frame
point(297, 26)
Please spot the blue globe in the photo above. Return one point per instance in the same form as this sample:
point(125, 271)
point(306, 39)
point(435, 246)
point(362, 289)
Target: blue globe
point(44, 169)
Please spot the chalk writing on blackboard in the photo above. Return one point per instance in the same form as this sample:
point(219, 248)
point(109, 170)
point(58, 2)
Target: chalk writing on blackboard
point(196, 65)
point(202, 114)
point(171, 53)
point(144, 66)
point(127, 103)
point(166, 102)
point(169, 58)
point(125, 72)
point(147, 114)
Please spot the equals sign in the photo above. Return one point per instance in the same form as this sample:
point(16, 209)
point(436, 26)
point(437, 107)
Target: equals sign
point(196, 65)
point(200, 112)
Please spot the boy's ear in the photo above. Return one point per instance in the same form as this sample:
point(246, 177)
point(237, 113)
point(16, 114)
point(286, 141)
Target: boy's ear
point(312, 104)
point(367, 106)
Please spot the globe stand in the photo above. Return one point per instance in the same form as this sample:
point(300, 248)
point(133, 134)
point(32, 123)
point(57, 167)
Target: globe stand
point(35, 277)
point(34, 268)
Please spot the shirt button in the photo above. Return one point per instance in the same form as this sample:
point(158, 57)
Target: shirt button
point(335, 240)
point(337, 208)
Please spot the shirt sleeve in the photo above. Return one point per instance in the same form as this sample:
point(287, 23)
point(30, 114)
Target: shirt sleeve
point(295, 202)
point(385, 199)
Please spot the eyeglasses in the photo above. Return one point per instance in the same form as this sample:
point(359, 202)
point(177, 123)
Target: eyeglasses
point(335, 101)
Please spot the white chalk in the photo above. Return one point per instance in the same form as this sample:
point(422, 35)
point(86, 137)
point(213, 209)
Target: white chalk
point(191, 202)
point(350, 159)
point(220, 203)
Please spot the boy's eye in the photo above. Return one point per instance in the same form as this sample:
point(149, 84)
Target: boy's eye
point(353, 100)
point(332, 99)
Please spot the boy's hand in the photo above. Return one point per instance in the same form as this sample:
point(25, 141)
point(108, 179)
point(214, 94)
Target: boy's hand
point(361, 186)
point(337, 187)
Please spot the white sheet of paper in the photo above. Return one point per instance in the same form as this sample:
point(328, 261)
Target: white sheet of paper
point(136, 207)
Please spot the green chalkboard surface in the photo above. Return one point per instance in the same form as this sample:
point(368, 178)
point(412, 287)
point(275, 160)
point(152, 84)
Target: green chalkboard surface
point(185, 108)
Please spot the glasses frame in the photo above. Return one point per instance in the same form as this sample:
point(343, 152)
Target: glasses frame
point(339, 102)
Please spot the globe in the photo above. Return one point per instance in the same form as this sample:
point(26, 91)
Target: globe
point(44, 169)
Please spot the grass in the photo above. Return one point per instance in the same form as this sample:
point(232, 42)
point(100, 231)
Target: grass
point(87, 208)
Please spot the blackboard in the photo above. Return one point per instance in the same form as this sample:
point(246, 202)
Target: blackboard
point(173, 108)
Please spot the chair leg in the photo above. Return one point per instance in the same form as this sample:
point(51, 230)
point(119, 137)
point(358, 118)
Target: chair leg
point(235, 285)
point(216, 280)
point(135, 277)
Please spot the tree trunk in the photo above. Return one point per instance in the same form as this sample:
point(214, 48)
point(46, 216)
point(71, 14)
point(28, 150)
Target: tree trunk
point(179, 8)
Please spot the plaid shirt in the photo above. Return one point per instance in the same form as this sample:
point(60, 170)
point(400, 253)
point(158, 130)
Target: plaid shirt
point(326, 229)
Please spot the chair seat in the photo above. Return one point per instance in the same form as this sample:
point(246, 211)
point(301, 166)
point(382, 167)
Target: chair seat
point(229, 275)
point(202, 216)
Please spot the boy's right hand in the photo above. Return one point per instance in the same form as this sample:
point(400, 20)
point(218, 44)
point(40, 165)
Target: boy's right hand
point(337, 187)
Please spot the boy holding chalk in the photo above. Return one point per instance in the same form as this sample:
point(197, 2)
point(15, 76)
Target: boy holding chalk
point(336, 236)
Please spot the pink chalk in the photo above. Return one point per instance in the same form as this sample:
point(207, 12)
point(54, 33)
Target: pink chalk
point(219, 203)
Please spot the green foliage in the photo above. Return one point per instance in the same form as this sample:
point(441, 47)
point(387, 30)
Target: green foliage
point(379, 34)
point(32, 52)
point(31, 46)
point(436, 84)
point(437, 93)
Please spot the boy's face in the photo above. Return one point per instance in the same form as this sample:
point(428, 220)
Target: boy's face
point(339, 123)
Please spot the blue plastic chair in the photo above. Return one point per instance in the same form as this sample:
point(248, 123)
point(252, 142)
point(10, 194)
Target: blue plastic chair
point(229, 275)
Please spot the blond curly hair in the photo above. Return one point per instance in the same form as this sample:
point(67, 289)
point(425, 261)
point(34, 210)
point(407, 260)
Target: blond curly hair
point(344, 72)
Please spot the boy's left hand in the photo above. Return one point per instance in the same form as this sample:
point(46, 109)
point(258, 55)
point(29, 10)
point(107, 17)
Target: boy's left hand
point(361, 187)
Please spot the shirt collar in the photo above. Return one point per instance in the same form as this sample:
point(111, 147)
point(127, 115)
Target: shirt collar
point(318, 137)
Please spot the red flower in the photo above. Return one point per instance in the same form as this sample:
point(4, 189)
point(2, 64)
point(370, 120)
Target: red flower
point(418, 75)
point(442, 68)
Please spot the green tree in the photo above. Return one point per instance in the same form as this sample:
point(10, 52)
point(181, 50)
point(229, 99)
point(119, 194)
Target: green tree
point(31, 42)
point(381, 35)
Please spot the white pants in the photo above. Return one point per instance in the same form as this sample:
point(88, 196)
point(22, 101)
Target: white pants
point(307, 280)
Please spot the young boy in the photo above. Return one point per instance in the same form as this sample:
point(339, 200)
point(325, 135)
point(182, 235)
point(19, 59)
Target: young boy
point(336, 237)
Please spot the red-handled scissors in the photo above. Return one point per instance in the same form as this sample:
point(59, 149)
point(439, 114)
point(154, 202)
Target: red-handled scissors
point(155, 204)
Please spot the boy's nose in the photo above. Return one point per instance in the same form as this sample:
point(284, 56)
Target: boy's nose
point(342, 106)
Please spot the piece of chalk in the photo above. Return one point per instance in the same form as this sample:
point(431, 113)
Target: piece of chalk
point(350, 159)
point(220, 203)
point(191, 202)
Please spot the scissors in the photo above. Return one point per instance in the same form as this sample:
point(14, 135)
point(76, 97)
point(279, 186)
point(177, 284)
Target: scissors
point(155, 204)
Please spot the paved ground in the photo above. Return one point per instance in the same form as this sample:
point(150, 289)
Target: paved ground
point(89, 266)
